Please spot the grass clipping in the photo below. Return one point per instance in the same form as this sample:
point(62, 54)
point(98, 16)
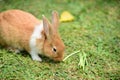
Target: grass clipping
point(82, 58)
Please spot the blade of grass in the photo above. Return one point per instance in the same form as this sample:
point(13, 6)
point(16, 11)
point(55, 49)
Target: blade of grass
point(71, 55)
point(82, 59)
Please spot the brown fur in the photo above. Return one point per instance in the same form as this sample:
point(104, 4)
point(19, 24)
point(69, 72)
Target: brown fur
point(19, 25)
point(60, 48)
point(16, 28)
point(53, 39)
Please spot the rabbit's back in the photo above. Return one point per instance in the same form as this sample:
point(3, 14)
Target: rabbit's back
point(16, 27)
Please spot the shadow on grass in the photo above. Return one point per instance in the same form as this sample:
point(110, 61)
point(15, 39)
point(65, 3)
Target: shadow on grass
point(25, 54)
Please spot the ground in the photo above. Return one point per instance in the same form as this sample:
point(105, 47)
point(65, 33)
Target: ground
point(95, 32)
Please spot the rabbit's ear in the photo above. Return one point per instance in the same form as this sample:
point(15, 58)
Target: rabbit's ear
point(55, 19)
point(47, 27)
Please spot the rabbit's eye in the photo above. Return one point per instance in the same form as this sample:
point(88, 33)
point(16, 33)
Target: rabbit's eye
point(54, 49)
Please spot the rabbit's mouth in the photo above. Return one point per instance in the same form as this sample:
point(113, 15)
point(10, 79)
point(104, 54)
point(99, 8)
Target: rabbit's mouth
point(58, 58)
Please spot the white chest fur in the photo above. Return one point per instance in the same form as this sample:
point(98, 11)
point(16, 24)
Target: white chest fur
point(37, 34)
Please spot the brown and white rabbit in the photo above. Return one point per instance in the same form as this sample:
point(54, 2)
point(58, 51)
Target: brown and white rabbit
point(22, 31)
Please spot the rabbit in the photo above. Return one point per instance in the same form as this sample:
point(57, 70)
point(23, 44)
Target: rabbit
point(20, 30)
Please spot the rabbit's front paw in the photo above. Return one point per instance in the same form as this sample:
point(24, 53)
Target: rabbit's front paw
point(35, 56)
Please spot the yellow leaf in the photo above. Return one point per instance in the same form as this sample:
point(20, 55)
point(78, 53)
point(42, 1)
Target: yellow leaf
point(66, 16)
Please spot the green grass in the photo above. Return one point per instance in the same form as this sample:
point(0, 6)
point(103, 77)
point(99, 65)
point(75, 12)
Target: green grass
point(95, 31)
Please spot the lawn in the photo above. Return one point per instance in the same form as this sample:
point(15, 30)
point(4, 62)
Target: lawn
point(95, 32)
